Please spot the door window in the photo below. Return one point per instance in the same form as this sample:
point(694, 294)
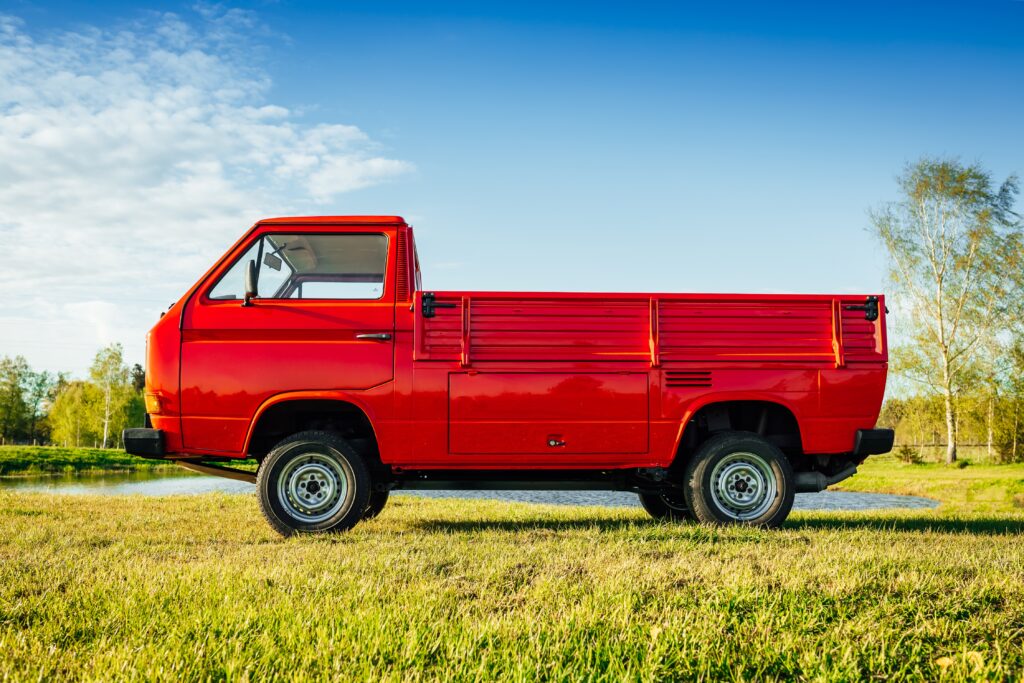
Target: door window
point(310, 266)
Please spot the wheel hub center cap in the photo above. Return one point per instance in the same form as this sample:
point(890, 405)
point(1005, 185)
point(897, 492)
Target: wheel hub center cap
point(314, 487)
point(743, 485)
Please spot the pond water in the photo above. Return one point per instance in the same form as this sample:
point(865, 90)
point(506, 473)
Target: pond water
point(164, 483)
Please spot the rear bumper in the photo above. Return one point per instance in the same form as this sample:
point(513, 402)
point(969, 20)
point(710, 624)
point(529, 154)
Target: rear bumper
point(147, 443)
point(873, 441)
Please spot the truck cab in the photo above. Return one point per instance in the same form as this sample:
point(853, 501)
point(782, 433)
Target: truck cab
point(312, 348)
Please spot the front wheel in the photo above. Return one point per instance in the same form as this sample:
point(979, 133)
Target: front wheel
point(739, 478)
point(313, 482)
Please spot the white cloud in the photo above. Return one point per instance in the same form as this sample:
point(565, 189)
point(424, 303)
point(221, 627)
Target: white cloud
point(129, 158)
point(341, 171)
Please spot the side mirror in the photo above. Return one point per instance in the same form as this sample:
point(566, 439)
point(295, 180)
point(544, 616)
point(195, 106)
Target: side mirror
point(250, 283)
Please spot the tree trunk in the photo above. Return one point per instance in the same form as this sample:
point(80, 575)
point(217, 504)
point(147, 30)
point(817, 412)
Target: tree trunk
point(991, 419)
point(1013, 450)
point(950, 426)
point(106, 415)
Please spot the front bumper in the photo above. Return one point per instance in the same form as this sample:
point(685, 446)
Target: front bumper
point(148, 443)
point(873, 441)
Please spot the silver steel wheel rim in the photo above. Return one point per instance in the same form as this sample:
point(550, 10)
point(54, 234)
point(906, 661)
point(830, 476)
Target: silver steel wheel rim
point(314, 487)
point(743, 485)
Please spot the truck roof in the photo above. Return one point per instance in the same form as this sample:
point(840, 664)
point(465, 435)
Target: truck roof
point(335, 220)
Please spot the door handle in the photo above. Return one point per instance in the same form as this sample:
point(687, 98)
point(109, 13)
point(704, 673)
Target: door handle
point(376, 336)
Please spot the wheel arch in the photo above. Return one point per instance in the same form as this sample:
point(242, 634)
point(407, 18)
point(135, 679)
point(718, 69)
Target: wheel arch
point(740, 408)
point(294, 411)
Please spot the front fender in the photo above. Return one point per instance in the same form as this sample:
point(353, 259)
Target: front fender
point(356, 400)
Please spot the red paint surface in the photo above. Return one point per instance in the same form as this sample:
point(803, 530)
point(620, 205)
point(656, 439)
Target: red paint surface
point(501, 412)
point(488, 383)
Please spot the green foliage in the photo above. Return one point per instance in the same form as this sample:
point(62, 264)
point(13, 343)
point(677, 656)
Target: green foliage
point(1009, 417)
point(138, 378)
point(24, 395)
point(30, 460)
point(73, 415)
point(93, 412)
point(908, 454)
point(917, 419)
point(14, 375)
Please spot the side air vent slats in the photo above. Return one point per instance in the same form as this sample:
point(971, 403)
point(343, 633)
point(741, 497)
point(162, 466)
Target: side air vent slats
point(402, 275)
point(688, 378)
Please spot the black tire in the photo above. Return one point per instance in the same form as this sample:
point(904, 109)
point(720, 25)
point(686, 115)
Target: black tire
point(378, 499)
point(313, 482)
point(739, 478)
point(670, 505)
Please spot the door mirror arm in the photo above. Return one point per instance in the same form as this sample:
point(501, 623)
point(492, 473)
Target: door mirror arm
point(250, 284)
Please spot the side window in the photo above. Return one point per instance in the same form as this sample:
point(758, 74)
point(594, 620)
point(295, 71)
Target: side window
point(311, 266)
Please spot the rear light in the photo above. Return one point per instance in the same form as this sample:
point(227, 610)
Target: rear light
point(152, 404)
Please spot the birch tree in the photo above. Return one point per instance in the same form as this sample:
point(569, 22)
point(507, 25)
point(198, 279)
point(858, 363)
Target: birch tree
point(111, 377)
point(955, 249)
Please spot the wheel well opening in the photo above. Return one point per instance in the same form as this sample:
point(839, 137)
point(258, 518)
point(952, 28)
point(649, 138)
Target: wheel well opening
point(289, 417)
point(773, 421)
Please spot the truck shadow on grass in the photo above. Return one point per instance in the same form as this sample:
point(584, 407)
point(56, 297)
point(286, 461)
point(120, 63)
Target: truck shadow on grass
point(981, 526)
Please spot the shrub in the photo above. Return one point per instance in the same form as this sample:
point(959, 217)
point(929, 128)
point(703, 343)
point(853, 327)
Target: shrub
point(908, 454)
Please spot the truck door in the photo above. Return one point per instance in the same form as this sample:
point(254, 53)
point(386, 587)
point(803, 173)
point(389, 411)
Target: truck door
point(323, 320)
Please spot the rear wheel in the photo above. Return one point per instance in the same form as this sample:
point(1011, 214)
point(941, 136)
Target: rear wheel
point(739, 478)
point(669, 505)
point(313, 482)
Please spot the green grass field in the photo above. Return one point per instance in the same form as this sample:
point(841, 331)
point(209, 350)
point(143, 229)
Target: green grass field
point(35, 460)
point(976, 489)
point(200, 588)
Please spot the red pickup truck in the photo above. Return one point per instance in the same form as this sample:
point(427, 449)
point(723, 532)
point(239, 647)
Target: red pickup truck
point(311, 347)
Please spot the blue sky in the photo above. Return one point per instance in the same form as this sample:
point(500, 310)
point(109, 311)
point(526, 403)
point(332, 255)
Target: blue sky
point(643, 147)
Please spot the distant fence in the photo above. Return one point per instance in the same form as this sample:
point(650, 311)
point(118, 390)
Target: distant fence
point(959, 444)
